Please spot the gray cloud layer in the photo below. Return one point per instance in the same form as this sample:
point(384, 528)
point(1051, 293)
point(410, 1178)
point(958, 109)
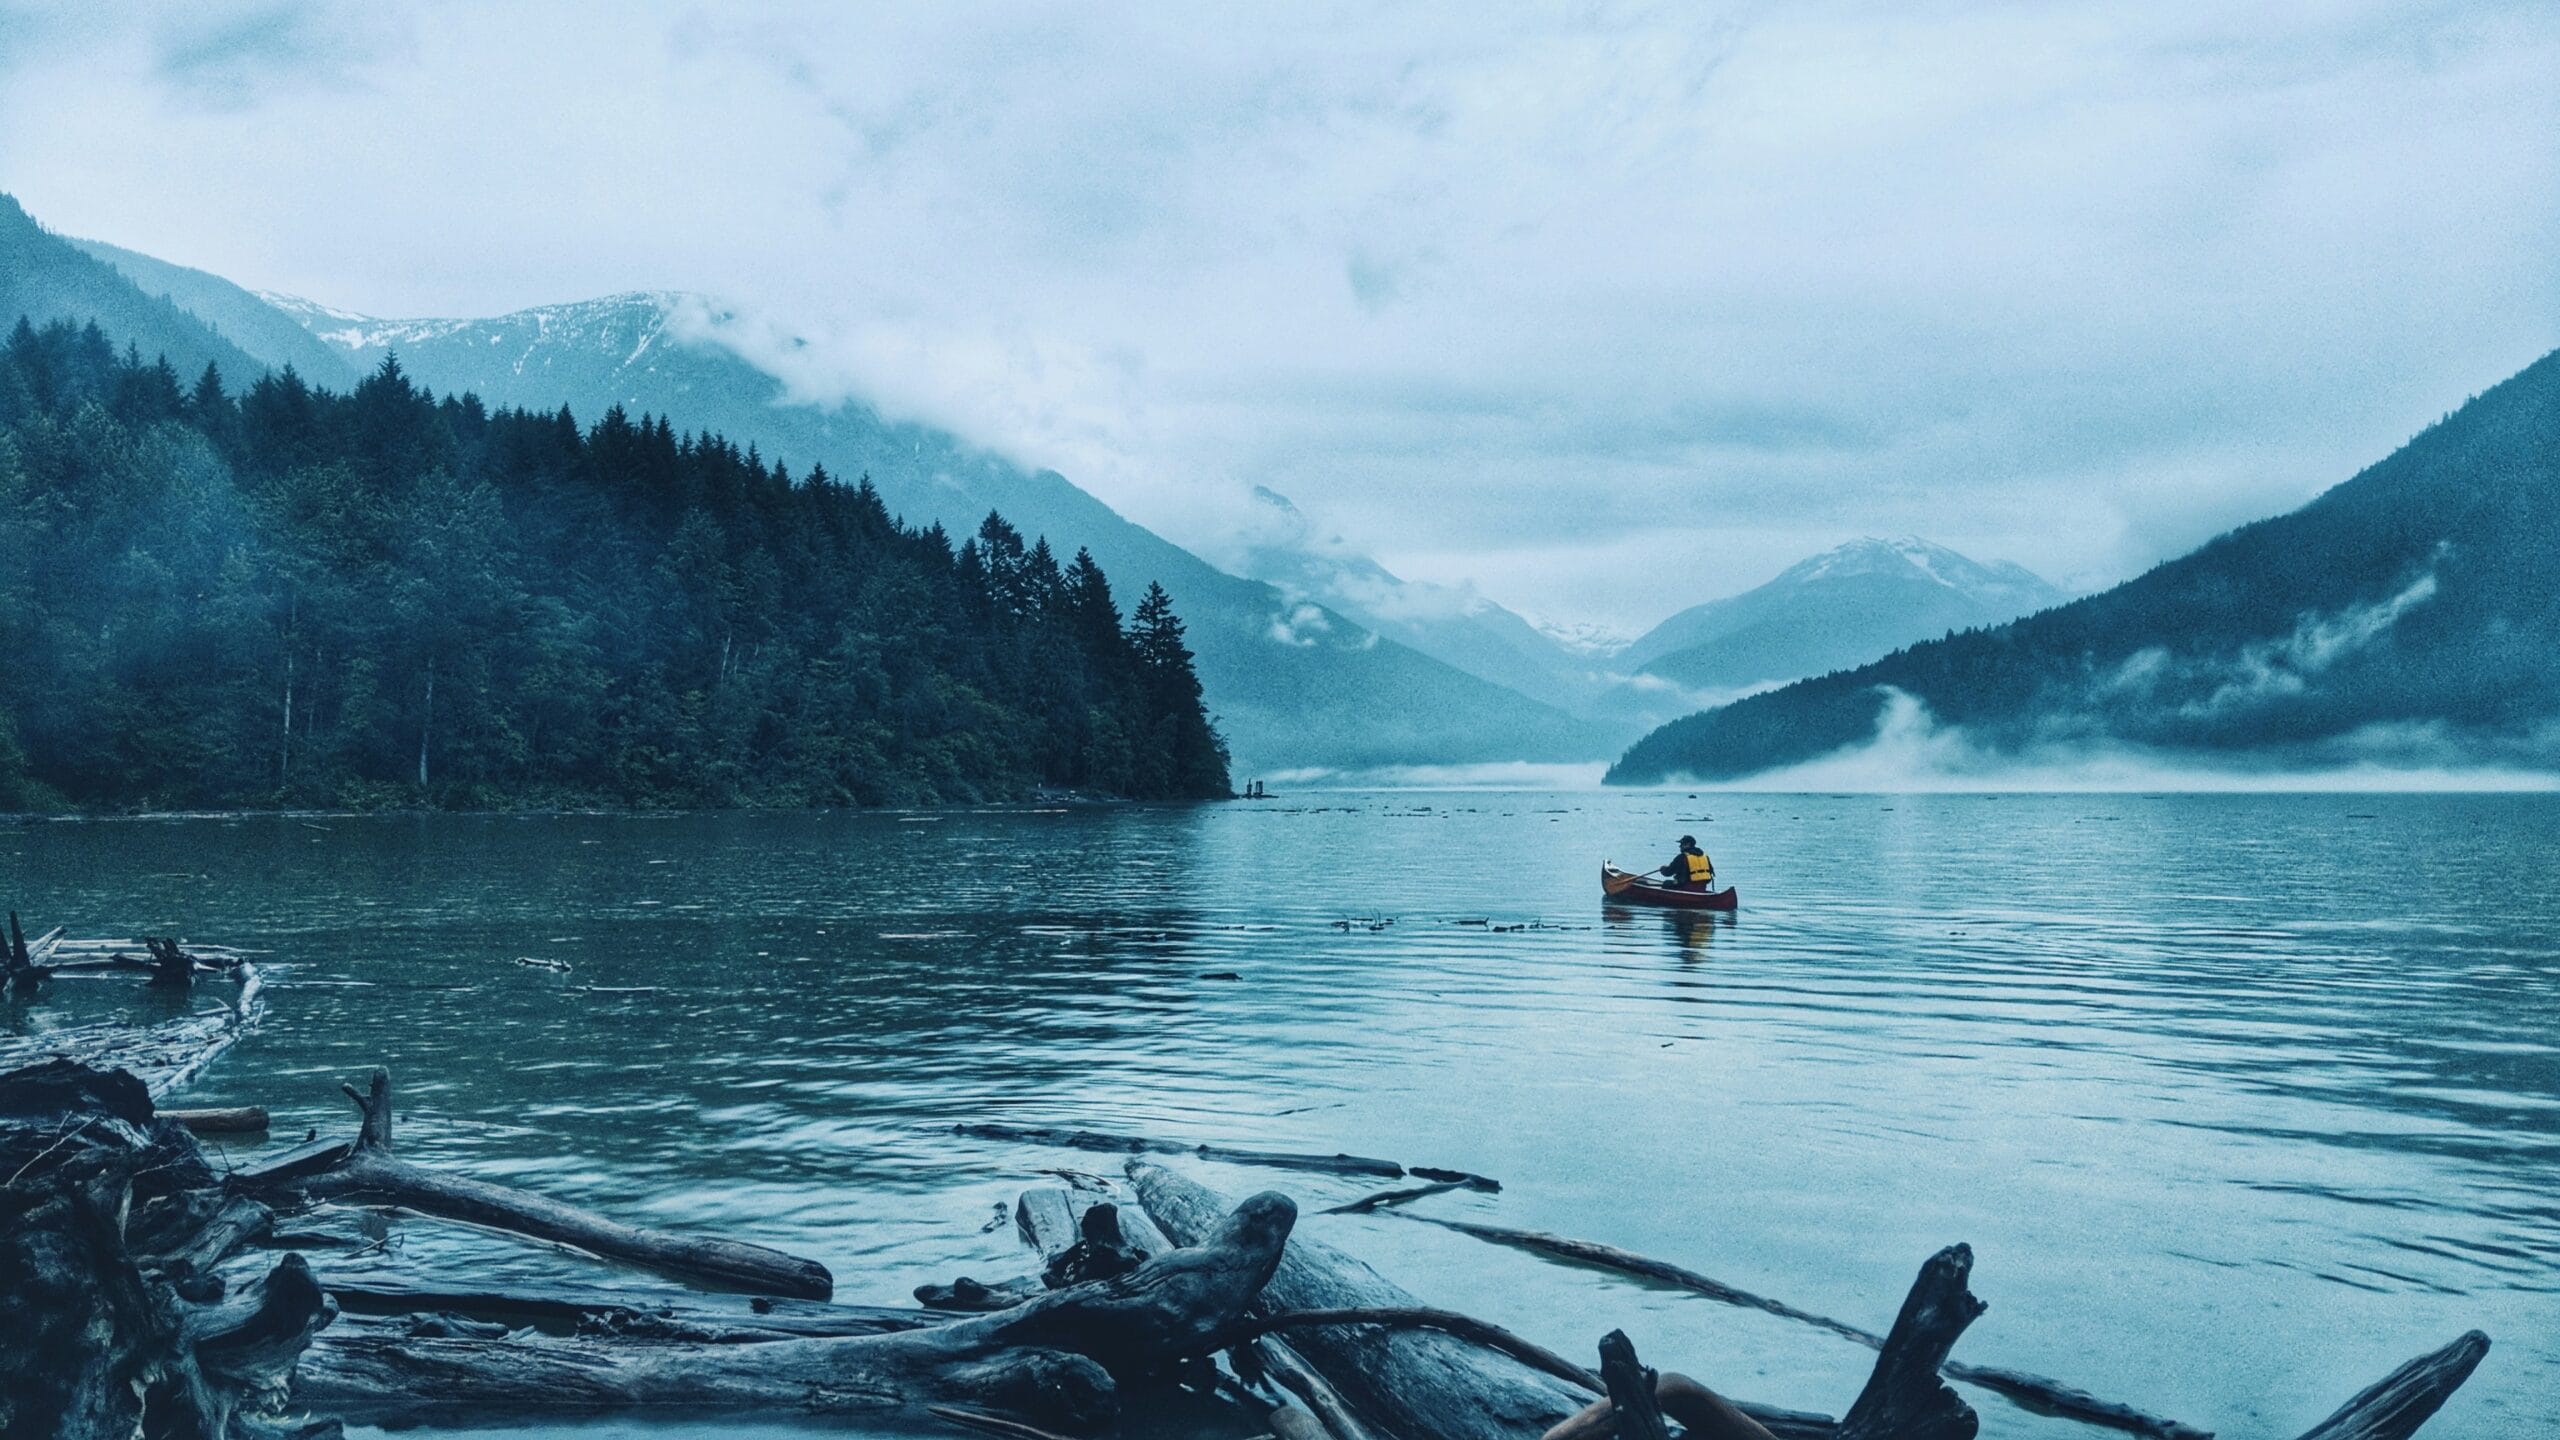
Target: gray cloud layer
point(1607, 310)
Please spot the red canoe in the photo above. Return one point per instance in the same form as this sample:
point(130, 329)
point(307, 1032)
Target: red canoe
point(1630, 889)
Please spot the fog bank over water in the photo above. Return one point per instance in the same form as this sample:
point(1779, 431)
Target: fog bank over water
point(1913, 753)
point(1505, 775)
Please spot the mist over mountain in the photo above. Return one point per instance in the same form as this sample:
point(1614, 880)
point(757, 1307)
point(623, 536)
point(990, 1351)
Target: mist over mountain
point(1843, 607)
point(1458, 627)
point(1294, 684)
point(2406, 617)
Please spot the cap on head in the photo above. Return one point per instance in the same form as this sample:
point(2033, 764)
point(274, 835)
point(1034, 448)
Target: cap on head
point(1688, 839)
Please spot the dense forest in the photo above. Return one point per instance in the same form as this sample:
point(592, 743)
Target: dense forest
point(2407, 616)
point(289, 596)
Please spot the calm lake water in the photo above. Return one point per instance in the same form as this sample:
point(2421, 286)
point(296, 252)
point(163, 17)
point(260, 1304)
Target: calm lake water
point(2241, 1100)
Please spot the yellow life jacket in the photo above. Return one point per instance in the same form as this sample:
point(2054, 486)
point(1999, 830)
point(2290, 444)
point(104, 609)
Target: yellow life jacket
point(1702, 871)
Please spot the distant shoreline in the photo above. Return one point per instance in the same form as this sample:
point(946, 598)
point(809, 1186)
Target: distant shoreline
point(1077, 801)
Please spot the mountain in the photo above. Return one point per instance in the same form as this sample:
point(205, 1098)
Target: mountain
point(248, 321)
point(2406, 616)
point(1295, 685)
point(1457, 627)
point(1840, 608)
point(44, 277)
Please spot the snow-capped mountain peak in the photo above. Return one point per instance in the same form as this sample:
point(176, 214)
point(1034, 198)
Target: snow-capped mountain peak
point(1847, 605)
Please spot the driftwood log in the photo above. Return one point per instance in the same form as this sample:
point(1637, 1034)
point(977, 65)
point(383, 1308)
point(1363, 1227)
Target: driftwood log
point(222, 1120)
point(1631, 1383)
point(1411, 1382)
point(596, 1311)
point(1052, 1360)
point(1904, 1398)
point(2400, 1402)
point(1383, 1370)
point(1702, 1413)
point(1269, 1355)
point(1142, 1145)
point(1054, 1221)
point(2037, 1393)
point(28, 964)
point(111, 1224)
point(367, 1171)
point(25, 963)
point(163, 1056)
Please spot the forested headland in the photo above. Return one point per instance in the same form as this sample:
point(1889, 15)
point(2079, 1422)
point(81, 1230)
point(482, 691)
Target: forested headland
point(287, 596)
point(2405, 617)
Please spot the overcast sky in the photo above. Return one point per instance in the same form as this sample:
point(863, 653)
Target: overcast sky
point(1602, 309)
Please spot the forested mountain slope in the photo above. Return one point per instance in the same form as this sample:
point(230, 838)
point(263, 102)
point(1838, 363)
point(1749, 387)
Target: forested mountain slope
point(46, 278)
point(270, 335)
point(288, 595)
point(2408, 615)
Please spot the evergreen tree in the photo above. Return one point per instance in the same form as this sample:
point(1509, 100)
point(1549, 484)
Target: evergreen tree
point(1184, 755)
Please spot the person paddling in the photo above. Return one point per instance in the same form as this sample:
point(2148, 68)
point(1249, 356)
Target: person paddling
point(1691, 869)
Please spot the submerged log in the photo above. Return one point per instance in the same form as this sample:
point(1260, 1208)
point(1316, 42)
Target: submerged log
point(1052, 1360)
point(1383, 1199)
point(163, 1056)
point(222, 1120)
point(170, 966)
point(171, 963)
point(2397, 1404)
point(110, 1224)
point(367, 1171)
point(26, 965)
point(2035, 1392)
point(1143, 1145)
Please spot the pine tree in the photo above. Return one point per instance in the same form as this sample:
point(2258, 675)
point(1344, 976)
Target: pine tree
point(1189, 757)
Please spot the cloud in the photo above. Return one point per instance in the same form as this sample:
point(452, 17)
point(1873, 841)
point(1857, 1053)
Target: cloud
point(1502, 775)
point(229, 56)
point(1912, 752)
point(2217, 685)
point(1607, 309)
point(1301, 626)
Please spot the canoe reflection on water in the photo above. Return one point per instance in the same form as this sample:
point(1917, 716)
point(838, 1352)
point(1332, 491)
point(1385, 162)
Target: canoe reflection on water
point(1692, 933)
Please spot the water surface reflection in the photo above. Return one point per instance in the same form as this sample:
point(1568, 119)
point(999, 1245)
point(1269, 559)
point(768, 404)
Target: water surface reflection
point(2241, 1100)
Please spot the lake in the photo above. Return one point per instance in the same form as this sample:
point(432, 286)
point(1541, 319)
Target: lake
point(2241, 1100)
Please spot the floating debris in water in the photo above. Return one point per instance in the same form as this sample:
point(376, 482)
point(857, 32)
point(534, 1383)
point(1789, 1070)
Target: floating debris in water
point(537, 962)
